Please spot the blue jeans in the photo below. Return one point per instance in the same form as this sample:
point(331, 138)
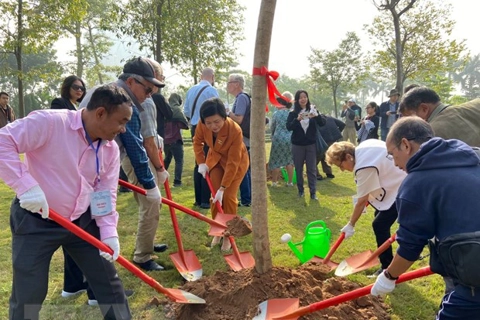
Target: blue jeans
point(246, 186)
point(460, 304)
point(175, 151)
point(384, 133)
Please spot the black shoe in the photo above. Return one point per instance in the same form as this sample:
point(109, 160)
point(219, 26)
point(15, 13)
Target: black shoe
point(129, 292)
point(244, 204)
point(150, 265)
point(124, 190)
point(319, 177)
point(205, 205)
point(161, 247)
point(177, 185)
point(313, 197)
point(330, 176)
point(300, 194)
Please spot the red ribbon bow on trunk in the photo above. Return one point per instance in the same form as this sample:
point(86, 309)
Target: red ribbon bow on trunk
point(271, 76)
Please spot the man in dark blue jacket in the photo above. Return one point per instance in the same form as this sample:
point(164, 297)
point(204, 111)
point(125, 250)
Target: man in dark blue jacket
point(433, 207)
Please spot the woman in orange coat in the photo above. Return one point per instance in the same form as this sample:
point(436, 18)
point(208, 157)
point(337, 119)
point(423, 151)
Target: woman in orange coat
point(227, 159)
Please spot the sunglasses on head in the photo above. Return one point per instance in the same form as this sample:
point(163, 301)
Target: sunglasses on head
point(76, 87)
point(148, 90)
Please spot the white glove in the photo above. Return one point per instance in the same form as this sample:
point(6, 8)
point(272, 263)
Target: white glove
point(34, 200)
point(218, 197)
point(349, 230)
point(159, 142)
point(202, 169)
point(382, 286)
point(162, 177)
point(114, 245)
point(153, 195)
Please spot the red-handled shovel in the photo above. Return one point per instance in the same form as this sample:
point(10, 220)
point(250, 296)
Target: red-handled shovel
point(217, 228)
point(326, 260)
point(363, 260)
point(238, 260)
point(287, 309)
point(185, 261)
point(176, 295)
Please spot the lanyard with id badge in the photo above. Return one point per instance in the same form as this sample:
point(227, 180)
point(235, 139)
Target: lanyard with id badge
point(101, 201)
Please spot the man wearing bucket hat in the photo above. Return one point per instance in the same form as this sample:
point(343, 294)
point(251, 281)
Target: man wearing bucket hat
point(388, 113)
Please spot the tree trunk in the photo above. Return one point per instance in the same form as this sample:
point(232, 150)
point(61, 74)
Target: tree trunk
point(79, 49)
point(261, 242)
point(158, 45)
point(95, 54)
point(18, 56)
point(335, 102)
point(398, 52)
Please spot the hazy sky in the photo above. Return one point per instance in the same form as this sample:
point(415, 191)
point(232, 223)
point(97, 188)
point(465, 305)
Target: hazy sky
point(322, 24)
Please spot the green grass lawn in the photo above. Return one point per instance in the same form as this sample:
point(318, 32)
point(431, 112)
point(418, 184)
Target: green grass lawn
point(286, 213)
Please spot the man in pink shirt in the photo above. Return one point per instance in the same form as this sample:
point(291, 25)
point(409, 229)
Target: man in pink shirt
point(71, 165)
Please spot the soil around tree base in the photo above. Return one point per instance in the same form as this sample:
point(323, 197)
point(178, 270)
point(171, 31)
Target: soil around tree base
point(236, 295)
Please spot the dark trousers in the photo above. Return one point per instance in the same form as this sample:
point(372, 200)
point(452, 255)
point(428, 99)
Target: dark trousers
point(202, 191)
point(175, 151)
point(325, 167)
point(246, 185)
point(381, 224)
point(460, 304)
point(308, 155)
point(34, 241)
point(73, 279)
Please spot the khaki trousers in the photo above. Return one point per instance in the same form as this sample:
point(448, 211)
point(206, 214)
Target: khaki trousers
point(148, 216)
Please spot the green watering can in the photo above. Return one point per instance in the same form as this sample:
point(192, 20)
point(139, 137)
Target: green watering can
point(315, 243)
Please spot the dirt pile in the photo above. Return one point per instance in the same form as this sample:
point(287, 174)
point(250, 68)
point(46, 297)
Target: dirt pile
point(238, 227)
point(236, 295)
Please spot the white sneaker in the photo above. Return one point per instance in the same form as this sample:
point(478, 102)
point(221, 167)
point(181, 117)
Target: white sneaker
point(66, 294)
point(92, 302)
point(289, 184)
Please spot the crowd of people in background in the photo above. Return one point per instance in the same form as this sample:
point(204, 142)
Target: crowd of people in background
point(147, 127)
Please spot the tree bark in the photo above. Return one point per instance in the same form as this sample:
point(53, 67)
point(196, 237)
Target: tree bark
point(95, 54)
point(78, 41)
point(18, 57)
point(261, 242)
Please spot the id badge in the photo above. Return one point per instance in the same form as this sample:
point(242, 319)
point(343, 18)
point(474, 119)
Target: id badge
point(101, 204)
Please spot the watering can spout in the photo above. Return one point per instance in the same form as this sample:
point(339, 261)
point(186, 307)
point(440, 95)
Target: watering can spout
point(297, 252)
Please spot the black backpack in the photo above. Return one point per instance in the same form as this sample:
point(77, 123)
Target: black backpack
point(245, 125)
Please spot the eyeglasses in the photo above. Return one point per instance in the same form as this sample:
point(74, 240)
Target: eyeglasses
point(366, 108)
point(232, 81)
point(161, 77)
point(148, 90)
point(76, 87)
point(389, 155)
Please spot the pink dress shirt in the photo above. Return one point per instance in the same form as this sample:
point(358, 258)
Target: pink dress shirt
point(60, 160)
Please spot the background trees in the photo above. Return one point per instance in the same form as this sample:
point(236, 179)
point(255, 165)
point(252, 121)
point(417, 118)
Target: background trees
point(413, 40)
point(340, 68)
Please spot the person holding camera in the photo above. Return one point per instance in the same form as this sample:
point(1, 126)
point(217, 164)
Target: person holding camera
point(302, 121)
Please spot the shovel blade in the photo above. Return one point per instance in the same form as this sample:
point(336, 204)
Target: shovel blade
point(190, 269)
point(276, 308)
point(330, 263)
point(357, 264)
point(180, 296)
point(245, 260)
point(223, 219)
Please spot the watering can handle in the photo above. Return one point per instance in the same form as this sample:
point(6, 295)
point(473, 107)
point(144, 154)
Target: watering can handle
point(317, 222)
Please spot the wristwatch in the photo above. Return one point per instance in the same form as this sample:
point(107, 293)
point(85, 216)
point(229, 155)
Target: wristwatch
point(389, 276)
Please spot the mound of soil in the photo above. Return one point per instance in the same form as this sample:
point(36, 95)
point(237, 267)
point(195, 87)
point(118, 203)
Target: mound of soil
point(238, 227)
point(236, 295)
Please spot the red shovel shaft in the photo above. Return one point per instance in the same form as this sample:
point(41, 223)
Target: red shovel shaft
point(173, 216)
point(352, 295)
point(334, 248)
point(100, 245)
point(380, 249)
point(174, 204)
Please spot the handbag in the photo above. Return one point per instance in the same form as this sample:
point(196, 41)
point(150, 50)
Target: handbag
point(321, 145)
